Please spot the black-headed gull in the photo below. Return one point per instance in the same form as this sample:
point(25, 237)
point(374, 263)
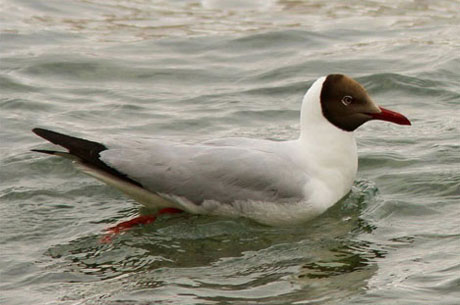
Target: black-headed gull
point(272, 182)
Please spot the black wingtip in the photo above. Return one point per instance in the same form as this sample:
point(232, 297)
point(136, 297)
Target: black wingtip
point(84, 150)
point(45, 134)
point(40, 131)
point(44, 151)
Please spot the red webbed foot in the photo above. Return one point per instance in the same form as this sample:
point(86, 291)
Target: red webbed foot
point(136, 221)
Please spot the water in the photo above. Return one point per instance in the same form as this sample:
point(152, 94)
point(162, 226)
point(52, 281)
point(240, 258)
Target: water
point(190, 71)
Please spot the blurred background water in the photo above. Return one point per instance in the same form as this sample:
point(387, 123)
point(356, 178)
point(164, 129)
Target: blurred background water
point(192, 70)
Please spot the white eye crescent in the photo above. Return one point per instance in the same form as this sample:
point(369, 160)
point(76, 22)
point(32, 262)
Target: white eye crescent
point(347, 100)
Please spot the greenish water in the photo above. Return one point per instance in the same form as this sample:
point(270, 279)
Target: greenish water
point(193, 70)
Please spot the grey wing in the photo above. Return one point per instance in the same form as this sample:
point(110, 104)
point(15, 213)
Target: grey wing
point(209, 172)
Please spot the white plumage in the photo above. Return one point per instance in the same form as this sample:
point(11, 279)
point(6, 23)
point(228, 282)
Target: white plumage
point(273, 182)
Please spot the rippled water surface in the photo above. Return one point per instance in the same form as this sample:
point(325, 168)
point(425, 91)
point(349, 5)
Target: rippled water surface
point(193, 70)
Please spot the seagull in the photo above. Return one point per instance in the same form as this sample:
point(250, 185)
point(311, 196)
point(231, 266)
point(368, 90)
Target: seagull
point(271, 182)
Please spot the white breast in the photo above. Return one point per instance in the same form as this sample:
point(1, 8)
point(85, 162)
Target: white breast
point(328, 153)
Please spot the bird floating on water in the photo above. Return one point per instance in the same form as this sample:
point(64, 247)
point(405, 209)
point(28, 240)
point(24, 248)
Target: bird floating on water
point(272, 182)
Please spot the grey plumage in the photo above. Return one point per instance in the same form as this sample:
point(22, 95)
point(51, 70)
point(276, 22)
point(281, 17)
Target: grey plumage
point(225, 170)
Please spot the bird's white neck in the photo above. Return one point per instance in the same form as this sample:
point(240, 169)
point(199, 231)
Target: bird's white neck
point(314, 127)
point(331, 152)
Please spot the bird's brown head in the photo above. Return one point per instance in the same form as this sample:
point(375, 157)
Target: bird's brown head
point(347, 105)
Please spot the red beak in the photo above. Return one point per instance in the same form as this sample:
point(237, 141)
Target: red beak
point(390, 116)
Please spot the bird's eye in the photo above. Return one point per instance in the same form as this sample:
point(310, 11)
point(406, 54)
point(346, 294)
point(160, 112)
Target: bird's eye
point(347, 100)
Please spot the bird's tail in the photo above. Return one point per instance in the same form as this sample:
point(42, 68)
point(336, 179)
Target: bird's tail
point(87, 156)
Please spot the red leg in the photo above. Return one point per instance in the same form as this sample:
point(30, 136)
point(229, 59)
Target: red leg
point(136, 221)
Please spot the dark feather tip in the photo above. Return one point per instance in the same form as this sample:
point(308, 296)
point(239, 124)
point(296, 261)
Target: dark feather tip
point(49, 152)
